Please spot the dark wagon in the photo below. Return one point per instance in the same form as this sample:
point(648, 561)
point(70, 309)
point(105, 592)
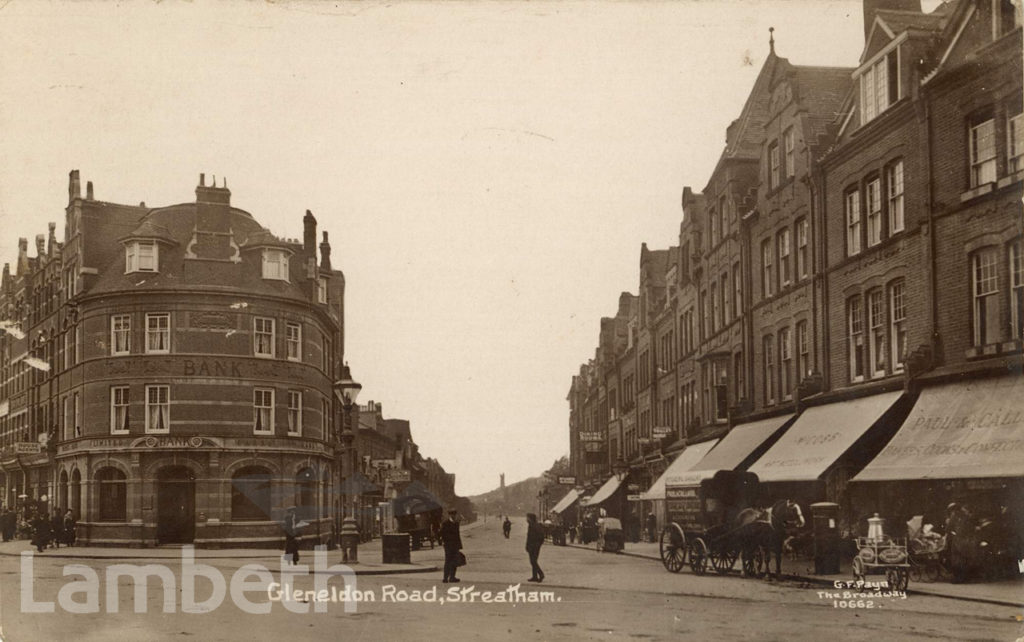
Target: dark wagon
point(701, 529)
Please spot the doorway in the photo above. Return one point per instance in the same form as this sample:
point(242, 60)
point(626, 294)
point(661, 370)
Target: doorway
point(176, 503)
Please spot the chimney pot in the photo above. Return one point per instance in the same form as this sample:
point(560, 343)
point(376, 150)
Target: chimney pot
point(202, 180)
point(74, 186)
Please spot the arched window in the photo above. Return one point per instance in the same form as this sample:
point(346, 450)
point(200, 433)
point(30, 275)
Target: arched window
point(113, 494)
point(250, 494)
point(305, 480)
point(325, 506)
point(62, 491)
point(76, 493)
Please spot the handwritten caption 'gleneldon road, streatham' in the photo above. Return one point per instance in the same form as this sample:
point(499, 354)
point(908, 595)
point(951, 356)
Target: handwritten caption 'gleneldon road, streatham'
point(277, 592)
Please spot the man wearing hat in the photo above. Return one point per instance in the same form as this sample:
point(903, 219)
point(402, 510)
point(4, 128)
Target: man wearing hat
point(449, 535)
point(291, 528)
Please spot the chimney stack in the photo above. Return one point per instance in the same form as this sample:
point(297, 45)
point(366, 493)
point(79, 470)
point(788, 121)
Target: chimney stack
point(88, 190)
point(74, 186)
point(873, 6)
point(325, 255)
point(22, 255)
point(309, 234)
point(40, 245)
point(52, 241)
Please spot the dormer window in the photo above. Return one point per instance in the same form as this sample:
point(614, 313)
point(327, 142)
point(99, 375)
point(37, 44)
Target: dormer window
point(879, 85)
point(275, 265)
point(141, 256)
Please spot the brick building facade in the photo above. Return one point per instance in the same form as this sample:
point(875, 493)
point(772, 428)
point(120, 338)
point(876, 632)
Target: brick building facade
point(857, 245)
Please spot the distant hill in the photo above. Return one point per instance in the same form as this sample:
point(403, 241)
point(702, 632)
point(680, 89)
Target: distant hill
point(521, 496)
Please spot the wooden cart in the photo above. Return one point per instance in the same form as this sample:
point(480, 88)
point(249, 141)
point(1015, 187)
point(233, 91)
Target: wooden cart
point(700, 530)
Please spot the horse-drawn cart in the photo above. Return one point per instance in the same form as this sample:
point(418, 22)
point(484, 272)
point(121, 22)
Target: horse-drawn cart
point(702, 529)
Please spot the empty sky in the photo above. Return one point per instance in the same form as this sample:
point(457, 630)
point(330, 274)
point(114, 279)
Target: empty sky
point(487, 171)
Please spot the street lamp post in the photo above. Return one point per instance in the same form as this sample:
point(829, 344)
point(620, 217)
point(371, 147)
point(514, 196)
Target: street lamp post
point(621, 470)
point(347, 390)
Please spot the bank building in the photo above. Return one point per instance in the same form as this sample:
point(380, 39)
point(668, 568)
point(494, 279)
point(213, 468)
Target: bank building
point(169, 374)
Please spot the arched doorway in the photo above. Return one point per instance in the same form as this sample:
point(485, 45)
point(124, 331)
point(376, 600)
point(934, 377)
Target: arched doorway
point(176, 505)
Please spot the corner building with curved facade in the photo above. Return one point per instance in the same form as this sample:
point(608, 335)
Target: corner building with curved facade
point(193, 400)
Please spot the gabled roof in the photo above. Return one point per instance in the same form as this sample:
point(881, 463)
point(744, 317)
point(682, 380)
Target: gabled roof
point(821, 92)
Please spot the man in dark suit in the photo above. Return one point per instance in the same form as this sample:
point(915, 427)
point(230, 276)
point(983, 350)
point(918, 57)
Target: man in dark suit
point(449, 535)
point(534, 539)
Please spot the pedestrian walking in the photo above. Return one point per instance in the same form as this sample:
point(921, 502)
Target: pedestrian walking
point(69, 528)
point(40, 531)
point(652, 527)
point(8, 524)
point(452, 545)
point(291, 529)
point(56, 529)
point(534, 540)
point(506, 527)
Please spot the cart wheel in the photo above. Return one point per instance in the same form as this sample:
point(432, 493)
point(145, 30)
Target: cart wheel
point(858, 568)
point(723, 561)
point(698, 556)
point(917, 570)
point(673, 548)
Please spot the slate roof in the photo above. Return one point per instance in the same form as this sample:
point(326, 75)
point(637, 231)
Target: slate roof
point(176, 224)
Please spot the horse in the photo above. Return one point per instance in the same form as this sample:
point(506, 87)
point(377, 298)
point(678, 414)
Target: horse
point(766, 529)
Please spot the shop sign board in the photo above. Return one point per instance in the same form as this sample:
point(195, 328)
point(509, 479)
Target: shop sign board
point(591, 436)
point(398, 475)
point(662, 431)
point(27, 448)
point(567, 481)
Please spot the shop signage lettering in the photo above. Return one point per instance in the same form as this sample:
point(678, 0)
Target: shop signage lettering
point(567, 481)
point(812, 440)
point(591, 436)
point(172, 442)
point(990, 419)
point(208, 367)
point(977, 447)
point(27, 448)
point(661, 431)
point(785, 463)
point(398, 475)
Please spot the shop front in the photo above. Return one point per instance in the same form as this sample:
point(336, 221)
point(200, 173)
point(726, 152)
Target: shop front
point(963, 444)
point(679, 466)
point(817, 455)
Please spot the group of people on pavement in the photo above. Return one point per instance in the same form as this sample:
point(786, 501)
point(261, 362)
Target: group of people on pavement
point(34, 521)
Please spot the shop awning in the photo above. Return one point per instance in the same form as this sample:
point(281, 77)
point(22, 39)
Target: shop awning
point(732, 449)
point(819, 437)
point(604, 492)
point(958, 431)
point(684, 462)
point(567, 501)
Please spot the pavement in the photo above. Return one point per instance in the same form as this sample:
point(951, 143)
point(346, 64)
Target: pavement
point(1003, 593)
point(369, 553)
